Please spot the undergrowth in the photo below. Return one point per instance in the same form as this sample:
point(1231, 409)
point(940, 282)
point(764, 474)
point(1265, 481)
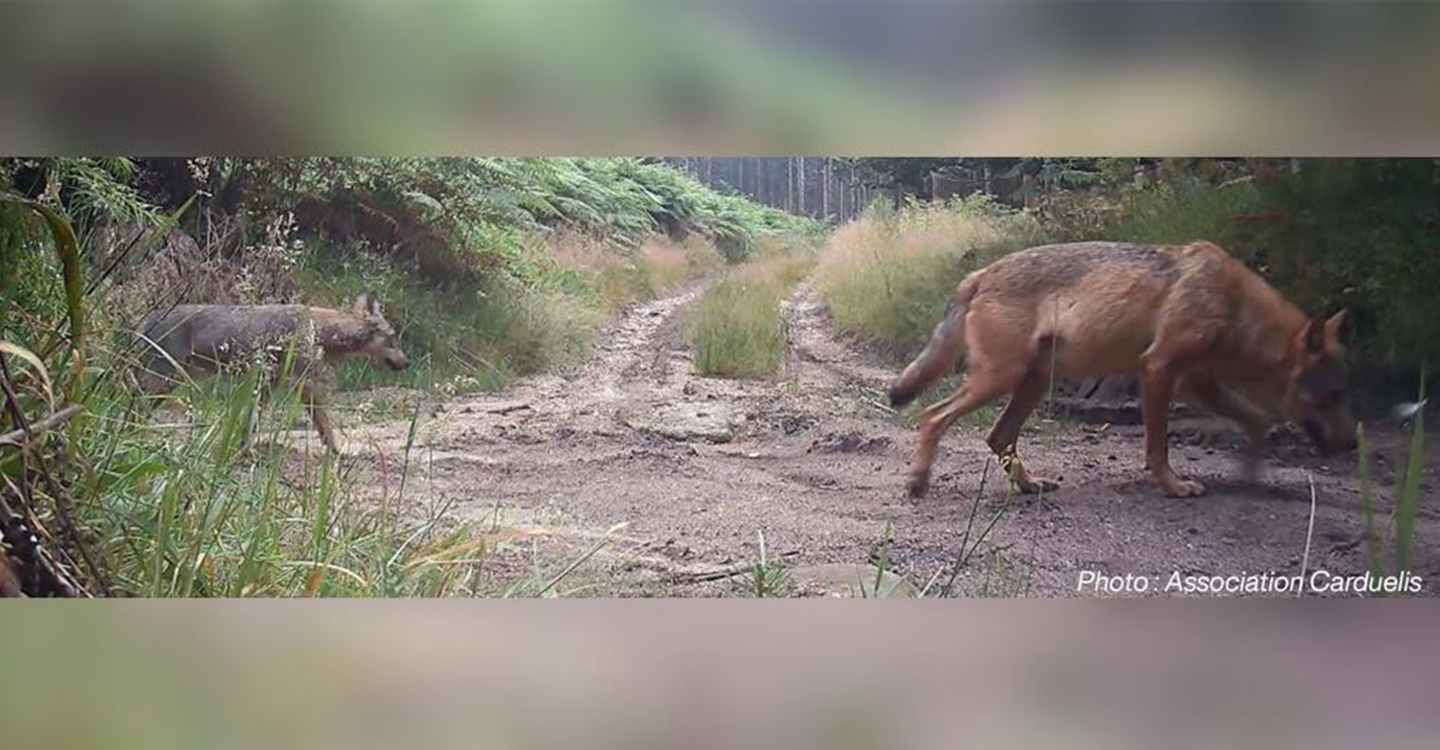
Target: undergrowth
point(220, 489)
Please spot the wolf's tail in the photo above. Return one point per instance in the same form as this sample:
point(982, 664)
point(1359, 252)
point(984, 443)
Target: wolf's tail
point(942, 355)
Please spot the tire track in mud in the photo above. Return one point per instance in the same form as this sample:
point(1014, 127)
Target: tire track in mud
point(696, 467)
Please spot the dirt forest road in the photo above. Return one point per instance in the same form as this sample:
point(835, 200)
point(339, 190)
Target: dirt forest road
point(696, 467)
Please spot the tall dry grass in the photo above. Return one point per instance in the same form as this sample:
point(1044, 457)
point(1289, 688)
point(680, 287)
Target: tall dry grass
point(888, 275)
point(616, 278)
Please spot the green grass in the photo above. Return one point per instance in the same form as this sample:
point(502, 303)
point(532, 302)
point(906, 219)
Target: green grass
point(225, 500)
point(1391, 554)
point(767, 579)
point(218, 502)
point(612, 279)
point(737, 329)
point(457, 340)
point(215, 494)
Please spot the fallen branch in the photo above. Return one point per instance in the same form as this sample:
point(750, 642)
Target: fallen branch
point(880, 406)
point(729, 571)
point(64, 505)
point(22, 437)
point(35, 563)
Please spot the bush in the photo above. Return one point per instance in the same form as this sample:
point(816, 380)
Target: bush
point(1354, 233)
point(482, 337)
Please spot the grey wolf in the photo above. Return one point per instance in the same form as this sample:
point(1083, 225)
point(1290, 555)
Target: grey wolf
point(205, 339)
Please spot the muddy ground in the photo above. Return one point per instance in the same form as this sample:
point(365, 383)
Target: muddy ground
point(696, 467)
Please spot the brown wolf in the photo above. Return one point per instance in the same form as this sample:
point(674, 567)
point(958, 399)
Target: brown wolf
point(1185, 318)
point(203, 339)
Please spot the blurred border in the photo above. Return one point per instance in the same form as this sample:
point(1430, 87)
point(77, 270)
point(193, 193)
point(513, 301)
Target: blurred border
point(780, 77)
point(564, 78)
point(698, 674)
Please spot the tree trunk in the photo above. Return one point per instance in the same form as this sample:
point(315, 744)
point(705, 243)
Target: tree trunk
point(801, 169)
point(790, 184)
point(825, 190)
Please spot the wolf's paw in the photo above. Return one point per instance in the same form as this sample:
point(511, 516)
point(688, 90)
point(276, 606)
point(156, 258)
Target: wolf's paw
point(917, 485)
point(1250, 469)
point(1184, 488)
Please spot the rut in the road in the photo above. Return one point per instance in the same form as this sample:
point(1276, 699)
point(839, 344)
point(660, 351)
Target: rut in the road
point(695, 466)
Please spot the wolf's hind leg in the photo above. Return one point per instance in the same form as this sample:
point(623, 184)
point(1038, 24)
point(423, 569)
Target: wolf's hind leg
point(981, 386)
point(1006, 433)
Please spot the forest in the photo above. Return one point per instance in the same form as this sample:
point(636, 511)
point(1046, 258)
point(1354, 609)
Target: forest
point(692, 325)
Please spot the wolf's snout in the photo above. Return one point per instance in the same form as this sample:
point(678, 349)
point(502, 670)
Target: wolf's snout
point(397, 361)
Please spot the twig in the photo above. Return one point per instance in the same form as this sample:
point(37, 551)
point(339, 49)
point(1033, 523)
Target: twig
point(1309, 534)
point(22, 437)
point(577, 562)
point(729, 571)
point(880, 406)
point(63, 503)
point(25, 546)
point(962, 558)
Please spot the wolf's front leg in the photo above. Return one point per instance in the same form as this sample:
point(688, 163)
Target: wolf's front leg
point(1210, 395)
point(1156, 386)
point(313, 401)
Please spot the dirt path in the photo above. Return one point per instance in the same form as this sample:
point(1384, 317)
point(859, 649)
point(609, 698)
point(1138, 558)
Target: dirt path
point(695, 467)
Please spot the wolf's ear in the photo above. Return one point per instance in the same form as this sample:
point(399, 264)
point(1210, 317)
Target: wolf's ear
point(367, 304)
point(1335, 325)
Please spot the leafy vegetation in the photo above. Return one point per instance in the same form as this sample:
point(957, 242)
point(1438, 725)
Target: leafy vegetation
point(1392, 553)
point(494, 268)
point(1353, 233)
point(473, 258)
point(1328, 233)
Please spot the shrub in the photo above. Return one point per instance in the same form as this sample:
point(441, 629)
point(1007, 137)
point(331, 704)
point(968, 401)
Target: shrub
point(1355, 233)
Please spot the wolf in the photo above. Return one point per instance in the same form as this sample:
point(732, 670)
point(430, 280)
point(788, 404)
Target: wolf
point(204, 339)
point(1187, 319)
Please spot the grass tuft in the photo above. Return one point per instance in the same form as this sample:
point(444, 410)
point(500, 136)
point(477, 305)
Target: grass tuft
point(738, 330)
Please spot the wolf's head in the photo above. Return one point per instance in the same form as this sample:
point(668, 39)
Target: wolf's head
point(1317, 389)
point(379, 338)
